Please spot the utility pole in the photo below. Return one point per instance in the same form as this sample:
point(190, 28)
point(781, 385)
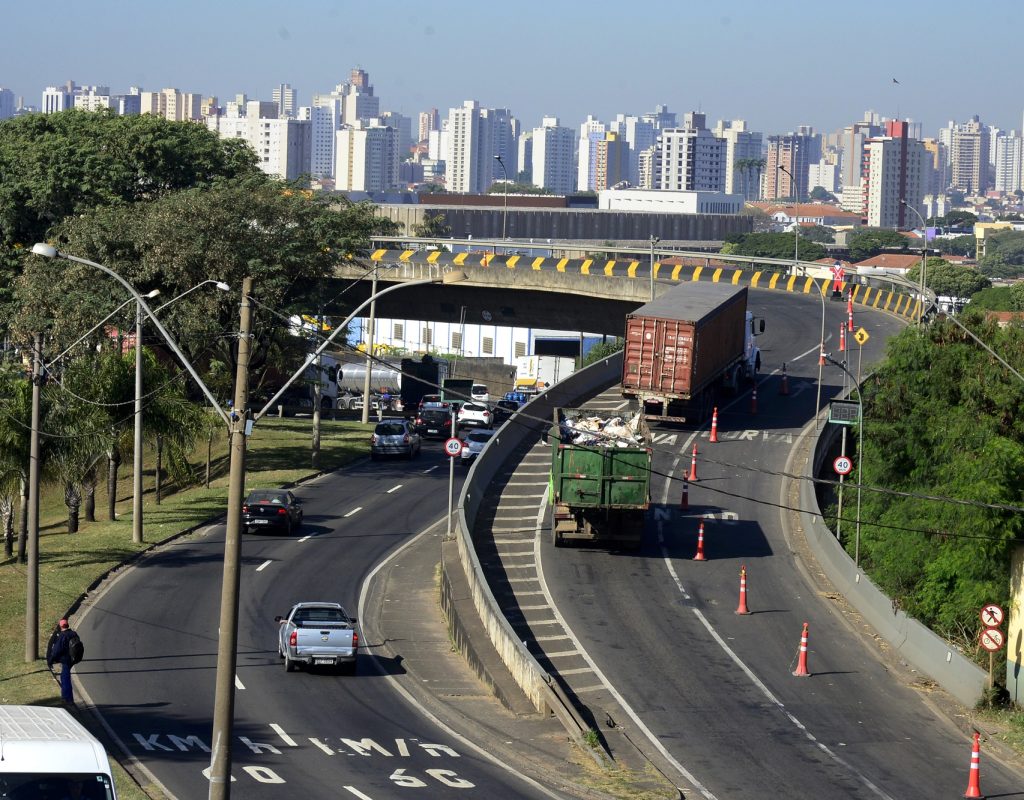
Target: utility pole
point(32, 593)
point(227, 641)
point(317, 390)
point(137, 459)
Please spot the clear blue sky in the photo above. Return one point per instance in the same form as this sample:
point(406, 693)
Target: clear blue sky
point(777, 65)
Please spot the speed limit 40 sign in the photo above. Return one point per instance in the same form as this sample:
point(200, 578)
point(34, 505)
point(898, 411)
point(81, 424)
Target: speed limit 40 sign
point(453, 446)
point(843, 465)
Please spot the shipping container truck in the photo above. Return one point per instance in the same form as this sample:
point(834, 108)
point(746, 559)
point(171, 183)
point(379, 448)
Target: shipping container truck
point(687, 346)
point(600, 477)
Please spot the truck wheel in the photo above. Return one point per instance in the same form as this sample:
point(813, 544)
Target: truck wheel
point(289, 665)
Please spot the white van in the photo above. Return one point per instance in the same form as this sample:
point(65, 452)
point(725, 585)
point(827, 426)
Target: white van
point(47, 753)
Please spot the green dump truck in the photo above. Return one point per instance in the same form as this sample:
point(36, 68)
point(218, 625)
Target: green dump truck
point(600, 477)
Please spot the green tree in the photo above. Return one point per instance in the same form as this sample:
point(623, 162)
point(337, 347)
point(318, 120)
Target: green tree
point(56, 166)
point(515, 188)
point(868, 242)
point(603, 350)
point(997, 266)
point(995, 298)
point(822, 195)
point(772, 245)
point(956, 245)
point(960, 219)
point(1017, 297)
point(818, 233)
point(950, 280)
point(433, 225)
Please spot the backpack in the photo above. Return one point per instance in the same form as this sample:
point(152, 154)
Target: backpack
point(76, 650)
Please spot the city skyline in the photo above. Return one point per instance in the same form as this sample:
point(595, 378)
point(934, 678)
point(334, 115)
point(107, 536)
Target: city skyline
point(418, 58)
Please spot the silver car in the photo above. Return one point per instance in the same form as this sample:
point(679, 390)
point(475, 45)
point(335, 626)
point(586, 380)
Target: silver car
point(474, 443)
point(394, 436)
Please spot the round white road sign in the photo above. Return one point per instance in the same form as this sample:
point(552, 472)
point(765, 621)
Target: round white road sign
point(992, 616)
point(992, 639)
point(453, 446)
point(843, 465)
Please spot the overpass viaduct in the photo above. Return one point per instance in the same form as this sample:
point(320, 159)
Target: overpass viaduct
point(531, 292)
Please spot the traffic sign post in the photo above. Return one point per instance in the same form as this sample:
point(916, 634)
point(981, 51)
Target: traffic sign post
point(453, 447)
point(992, 616)
point(992, 637)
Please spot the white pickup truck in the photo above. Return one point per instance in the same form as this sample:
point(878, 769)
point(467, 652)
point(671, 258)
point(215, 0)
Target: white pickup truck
point(317, 634)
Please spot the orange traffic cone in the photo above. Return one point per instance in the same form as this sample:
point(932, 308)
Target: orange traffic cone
point(849, 313)
point(700, 543)
point(684, 501)
point(974, 782)
point(753, 401)
point(801, 666)
point(784, 388)
point(842, 338)
point(714, 425)
point(693, 465)
point(742, 608)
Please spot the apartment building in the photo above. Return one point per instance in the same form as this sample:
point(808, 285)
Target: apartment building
point(742, 157)
point(367, 157)
point(894, 175)
point(553, 162)
point(690, 158)
point(591, 132)
point(283, 147)
point(969, 157)
point(470, 150)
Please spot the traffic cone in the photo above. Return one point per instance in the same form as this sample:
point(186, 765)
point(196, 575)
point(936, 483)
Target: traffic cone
point(753, 401)
point(801, 666)
point(842, 339)
point(742, 608)
point(714, 425)
point(784, 388)
point(821, 356)
point(693, 465)
point(974, 782)
point(700, 543)
point(849, 313)
point(684, 501)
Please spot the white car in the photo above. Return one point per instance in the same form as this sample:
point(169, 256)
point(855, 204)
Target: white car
point(479, 393)
point(474, 415)
point(473, 444)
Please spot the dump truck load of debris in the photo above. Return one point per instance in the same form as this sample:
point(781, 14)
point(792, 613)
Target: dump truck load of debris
point(587, 429)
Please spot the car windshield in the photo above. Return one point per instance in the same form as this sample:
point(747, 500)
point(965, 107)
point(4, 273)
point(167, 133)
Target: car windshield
point(390, 429)
point(320, 615)
point(479, 388)
point(87, 786)
point(267, 497)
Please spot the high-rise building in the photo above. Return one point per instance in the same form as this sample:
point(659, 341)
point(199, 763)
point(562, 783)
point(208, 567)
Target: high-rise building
point(690, 158)
point(428, 121)
point(6, 103)
point(639, 135)
point(504, 131)
point(59, 98)
point(553, 164)
point(360, 78)
point(851, 142)
point(525, 155)
point(611, 162)
point(171, 104)
point(403, 129)
point(287, 102)
point(969, 157)
point(661, 118)
point(825, 175)
point(646, 165)
point(367, 157)
point(788, 162)
point(1009, 167)
point(936, 169)
point(470, 158)
point(743, 161)
point(282, 146)
point(591, 132)
point(94, 98)
point(894, 175)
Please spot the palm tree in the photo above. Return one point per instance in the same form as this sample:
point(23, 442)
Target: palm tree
point(15, 431)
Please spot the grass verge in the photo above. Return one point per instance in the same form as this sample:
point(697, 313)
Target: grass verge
point(278, 453)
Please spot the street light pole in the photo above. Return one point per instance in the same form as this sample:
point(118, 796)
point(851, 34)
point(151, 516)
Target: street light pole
point(32, 585)
point(654, 240)
point(369, 349)
point(924, 259)
point(504, 212)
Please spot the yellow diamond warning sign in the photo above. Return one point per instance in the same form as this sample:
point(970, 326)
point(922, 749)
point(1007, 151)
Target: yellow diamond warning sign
point(861, 336)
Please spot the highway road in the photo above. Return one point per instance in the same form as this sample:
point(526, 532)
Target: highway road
point(152, 655)
point(716, 690)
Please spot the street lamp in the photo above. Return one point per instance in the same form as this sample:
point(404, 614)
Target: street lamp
point(924, 257)
point(137, 518)
point(654, 240)
point(504, 212)
point(860, 453)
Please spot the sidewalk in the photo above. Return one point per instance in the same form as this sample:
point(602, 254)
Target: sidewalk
point(404, 627)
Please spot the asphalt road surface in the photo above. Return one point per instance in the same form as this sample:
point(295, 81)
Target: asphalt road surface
point(715, 689)
point(153, 643)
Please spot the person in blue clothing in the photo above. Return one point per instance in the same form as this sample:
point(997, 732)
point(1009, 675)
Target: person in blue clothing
point(59, 651)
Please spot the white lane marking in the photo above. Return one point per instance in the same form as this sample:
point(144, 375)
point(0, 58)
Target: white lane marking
point(238, 683)
point(357, 793)
point(815, 349)
point(654, 740)
point(307, 537)
point(750, 673)
point(355, 510)
point(263, 566)
point(394, 488)
point(288, 740)
point(397, 686)
point(430, 469)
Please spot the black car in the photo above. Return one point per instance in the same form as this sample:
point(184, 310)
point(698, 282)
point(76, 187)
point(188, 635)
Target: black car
point(503, 410)
point(434, 419)
point(266, 509)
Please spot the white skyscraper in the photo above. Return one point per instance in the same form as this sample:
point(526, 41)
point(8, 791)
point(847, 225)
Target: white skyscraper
point(591, 132)
point(639, 134)
point(1009, 162)
point(470, 157)
point(525, 150)
point(59, 98)
point(690, 158)
point(504, 130)
point(553, 166)
point(742, 149)
point(287, 102)
point(94, 98)
point(282, 146)
point(367, 157)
